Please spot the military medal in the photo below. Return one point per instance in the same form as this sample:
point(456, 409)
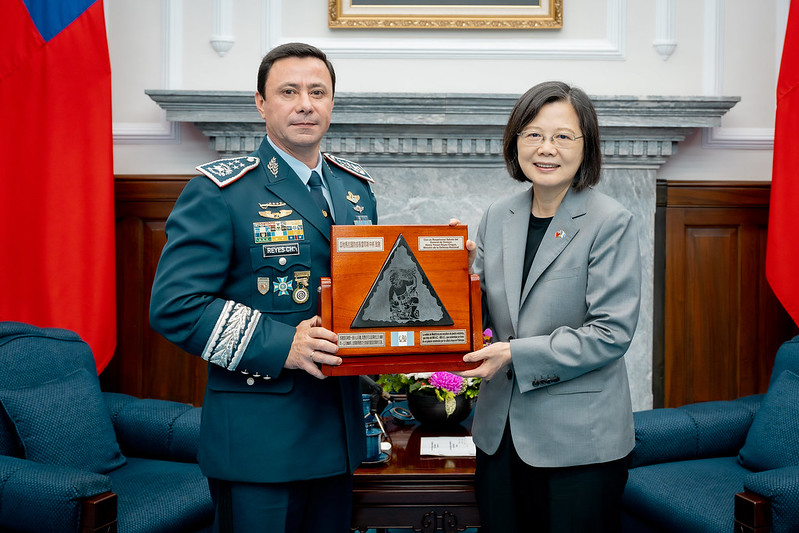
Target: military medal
point(301, 293)
point(282, 286)
point(358, 208)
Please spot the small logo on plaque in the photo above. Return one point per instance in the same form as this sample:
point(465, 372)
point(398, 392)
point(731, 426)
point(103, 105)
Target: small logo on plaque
point(402, 294)
point(402, 338)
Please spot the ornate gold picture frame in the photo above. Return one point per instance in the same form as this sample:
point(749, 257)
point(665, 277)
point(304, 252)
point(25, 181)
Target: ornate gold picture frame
point(446, 14)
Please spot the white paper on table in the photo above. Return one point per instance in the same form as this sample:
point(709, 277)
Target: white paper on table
point(448, 446)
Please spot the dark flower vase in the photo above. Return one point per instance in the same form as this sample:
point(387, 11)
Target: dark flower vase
point(428, 410)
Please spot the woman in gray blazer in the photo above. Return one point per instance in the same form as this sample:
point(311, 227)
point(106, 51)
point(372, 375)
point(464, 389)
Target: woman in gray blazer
point(561, 280)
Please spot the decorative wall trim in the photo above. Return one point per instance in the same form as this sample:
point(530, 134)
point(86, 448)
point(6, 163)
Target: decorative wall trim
point(738, 138)
point(612, 47)
point(222, 39)
point(713, 46)
point(447, 129)
point(665, 28)
point(163, 132)
point(172, 44)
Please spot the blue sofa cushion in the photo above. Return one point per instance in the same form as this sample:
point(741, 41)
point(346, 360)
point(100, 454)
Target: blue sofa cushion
point(173, 495)
point(773, 438)
point(781, 487)
point(64, 422)
point(686, 496)
point(39, 498)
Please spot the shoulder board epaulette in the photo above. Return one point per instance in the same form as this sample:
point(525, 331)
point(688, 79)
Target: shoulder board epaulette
point(351, 167)
point(223, 172)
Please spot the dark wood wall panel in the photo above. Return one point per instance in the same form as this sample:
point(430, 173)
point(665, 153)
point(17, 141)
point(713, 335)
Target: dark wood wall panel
point(723, 324)
point(145, 364)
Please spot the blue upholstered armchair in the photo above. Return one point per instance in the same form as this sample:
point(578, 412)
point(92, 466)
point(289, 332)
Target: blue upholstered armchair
point(720, 466)
point(75, 459)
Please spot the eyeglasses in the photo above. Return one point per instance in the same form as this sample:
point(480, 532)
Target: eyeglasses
point(536, 138)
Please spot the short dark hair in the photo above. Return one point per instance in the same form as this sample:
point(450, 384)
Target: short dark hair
point(526, 109)
point(291, 50)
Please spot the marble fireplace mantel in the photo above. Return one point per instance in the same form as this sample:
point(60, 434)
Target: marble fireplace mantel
point(447, 129)
point(435, 156)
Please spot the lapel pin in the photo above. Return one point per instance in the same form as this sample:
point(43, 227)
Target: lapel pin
point(560, 234)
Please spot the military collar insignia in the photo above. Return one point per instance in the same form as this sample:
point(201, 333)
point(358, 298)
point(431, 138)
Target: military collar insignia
point(273, 166)
point(223, 172)
point(353, 168)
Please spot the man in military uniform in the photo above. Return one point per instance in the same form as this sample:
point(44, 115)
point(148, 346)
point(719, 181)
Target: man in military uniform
point(237, 284)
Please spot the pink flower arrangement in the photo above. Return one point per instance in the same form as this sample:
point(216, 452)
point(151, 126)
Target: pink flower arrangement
point(446, 381)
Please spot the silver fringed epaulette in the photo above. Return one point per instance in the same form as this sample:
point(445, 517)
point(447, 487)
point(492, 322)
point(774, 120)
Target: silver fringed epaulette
point(353, 168)
point(223, 172)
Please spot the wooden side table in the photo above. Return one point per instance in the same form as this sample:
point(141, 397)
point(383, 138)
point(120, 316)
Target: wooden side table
point(425, 494)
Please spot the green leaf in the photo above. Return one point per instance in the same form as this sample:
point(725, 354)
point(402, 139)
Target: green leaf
point(449, 404)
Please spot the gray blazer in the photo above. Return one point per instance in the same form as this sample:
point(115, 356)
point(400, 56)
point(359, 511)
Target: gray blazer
point(566, 392)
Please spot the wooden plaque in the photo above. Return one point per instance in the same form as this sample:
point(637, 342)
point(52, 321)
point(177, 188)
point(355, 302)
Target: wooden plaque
point(401, 299)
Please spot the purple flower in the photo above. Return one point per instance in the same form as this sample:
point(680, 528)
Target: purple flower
point(446, 381)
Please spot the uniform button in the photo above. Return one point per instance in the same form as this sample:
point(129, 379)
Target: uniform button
point(510, 374)
point(282, 261)
point(251, 381)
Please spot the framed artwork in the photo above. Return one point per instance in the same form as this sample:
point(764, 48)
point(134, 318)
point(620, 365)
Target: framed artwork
point(446, 14)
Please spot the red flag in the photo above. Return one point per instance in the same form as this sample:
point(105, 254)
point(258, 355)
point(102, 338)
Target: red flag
point(782, 248)
point(57, 186)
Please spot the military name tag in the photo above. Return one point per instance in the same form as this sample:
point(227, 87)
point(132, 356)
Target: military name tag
point(273, 250)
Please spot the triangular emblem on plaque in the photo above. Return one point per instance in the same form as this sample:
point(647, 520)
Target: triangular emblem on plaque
point(401, 295)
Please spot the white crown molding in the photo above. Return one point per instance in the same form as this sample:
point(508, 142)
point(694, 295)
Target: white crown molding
point(665, 28)
point(612, 47)
point(222, 39)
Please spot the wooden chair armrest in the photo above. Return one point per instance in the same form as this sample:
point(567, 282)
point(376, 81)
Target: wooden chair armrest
point(99, 514)
point(752, 513)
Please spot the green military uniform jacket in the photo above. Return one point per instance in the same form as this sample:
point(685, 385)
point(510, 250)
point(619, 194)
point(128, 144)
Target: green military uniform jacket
point(246, 246)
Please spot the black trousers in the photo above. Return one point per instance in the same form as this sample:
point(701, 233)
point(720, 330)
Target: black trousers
point(313, 506)
point(515, 497)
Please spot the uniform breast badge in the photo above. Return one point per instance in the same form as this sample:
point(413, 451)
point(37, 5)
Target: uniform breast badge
point(263, 285)
point(301, 293)
point(274, 215)
point(268, 213)
point(354, 198)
